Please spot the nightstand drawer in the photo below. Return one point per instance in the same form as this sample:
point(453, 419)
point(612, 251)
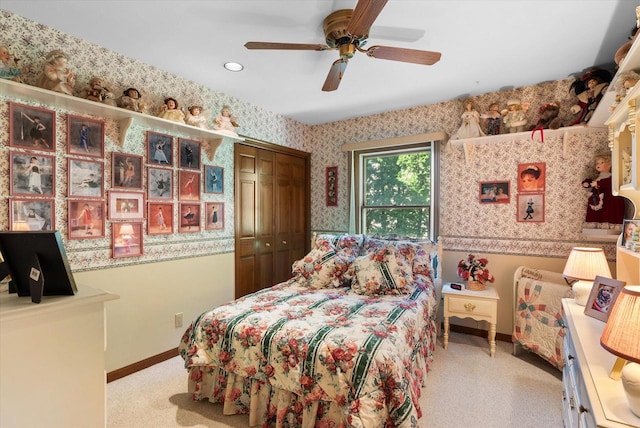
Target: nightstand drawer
point(471, 306)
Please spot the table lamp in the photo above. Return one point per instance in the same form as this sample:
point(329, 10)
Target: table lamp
point(583, 265)
point(621, 337)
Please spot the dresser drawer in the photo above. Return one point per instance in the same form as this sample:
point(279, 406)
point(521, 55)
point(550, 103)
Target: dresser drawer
point(471, 306)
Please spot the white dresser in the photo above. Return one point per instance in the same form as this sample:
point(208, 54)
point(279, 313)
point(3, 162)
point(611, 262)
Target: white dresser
point(590, 397)
point(52, 371)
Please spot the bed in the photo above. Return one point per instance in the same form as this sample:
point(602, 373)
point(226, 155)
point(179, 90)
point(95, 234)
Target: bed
point(346, 342)
point(538, 324)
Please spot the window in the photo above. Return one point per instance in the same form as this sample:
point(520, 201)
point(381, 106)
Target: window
point(394, 189)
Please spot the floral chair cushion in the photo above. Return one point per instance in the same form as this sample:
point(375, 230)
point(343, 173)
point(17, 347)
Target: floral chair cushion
point(378, 273)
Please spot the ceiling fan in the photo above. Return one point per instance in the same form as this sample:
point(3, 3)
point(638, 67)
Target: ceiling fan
point(347, 30)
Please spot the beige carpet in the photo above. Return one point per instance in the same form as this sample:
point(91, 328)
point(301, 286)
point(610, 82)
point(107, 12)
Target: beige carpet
point(465, 388)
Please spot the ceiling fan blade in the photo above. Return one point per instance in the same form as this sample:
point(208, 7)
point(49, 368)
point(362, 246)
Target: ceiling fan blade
point(335, 75)
point(287, 46)
point(404, 55)
point(364, 14)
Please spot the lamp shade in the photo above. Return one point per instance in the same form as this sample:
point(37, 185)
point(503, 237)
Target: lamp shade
point(126, 229)
point(586, 263)
point(621, 335)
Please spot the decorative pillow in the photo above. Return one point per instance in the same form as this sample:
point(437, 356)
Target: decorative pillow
point(404, 251)
point(351, 244)
point(321, 268)
point(378, 273)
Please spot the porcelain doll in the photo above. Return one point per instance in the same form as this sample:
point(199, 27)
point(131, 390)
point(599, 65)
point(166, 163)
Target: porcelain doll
point(131, 99)
point(603, 208)
point(194, 117)
point(225, 122)
point(492, 119)
point(9, 66)
point(470, 126)
point(170, 111)
point(513, 116)
point(56, 75)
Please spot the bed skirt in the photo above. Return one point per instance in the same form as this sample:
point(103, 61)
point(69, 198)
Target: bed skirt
point(268, 406)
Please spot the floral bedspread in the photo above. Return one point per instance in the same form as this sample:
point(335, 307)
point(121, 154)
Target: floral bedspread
point(296, 356)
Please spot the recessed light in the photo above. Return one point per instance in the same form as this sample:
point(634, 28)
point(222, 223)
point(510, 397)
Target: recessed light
point(233, 66)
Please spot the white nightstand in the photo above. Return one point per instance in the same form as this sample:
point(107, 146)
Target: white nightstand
point(477, 305)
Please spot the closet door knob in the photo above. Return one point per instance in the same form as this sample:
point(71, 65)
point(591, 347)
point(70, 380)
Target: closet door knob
point(284, 242)
point(267, 244)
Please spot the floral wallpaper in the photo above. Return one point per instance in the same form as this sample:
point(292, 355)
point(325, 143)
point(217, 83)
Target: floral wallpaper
point(465, 223)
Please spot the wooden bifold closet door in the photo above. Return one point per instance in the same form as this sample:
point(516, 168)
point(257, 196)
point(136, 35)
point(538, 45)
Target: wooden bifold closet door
point(272, 214)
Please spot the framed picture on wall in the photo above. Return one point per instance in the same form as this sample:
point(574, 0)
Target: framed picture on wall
point(85, 178)
point(126, 205)
point(86, 219)
point(630, 234)
point(126, 239)
point(32, 127)
point(189, 153)
point(32, 174)
point(602, 297)
point(214, 216)
point(159, 218)
point(31, 214)
point(126, 171)
point(494, 192)
point(213, 179)
point(85, 136)
point(331, 186)
point(189, 218)
point(159, 149)
point(531, 207)
point(189, 186)
point(531, 177)
point(159, 183)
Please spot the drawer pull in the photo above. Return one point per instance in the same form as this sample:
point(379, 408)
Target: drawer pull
point(469, 307)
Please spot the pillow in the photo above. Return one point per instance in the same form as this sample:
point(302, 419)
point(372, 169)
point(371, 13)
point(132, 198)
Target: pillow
point(351, 244)
point(378, 273)
point(403, 250)
point(322, 268)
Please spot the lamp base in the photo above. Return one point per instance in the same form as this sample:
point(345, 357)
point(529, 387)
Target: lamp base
point(631, 384)
point(581, 291)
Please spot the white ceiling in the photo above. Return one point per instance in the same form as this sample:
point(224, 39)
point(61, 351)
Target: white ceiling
point(486, 46)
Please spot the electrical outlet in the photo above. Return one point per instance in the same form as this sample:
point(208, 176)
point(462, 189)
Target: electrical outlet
point(178, 319)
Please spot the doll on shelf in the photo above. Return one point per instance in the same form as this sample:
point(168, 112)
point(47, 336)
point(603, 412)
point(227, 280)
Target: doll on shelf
point(194, 117)
point(9, 66)
point(170, 111)
point(513, 116)
point(225, 122)
point(96, 91)
point(589, 89)
point(56, 74)
point(470, 126)
point(604, 210)
point(131, 99)
point(492, 119)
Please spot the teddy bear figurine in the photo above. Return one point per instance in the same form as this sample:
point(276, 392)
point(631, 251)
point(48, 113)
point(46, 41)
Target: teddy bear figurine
point(548, 117)
point(96, 91)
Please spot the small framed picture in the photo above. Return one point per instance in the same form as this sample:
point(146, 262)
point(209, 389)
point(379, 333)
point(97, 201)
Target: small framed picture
point(85, 136)
point(126, 171)
point(494, 192)
point(602, 297)
point(213, 179)
point(85, 178)
point(531, 208)
point(159, 149)
point(189, 153)
point(126, 239)
point(189, 183)
point(630, 234)
point(86, 219)
point(159, 183)
point(189, 218)
point(531, 177)
point(331, 186)
point(159, 218)
point(126, 205)
point(214, 219)
point(32, 127)
point(32, 214)
point(32, 174)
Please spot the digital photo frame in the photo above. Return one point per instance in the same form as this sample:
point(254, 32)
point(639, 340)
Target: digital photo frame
point(37, 263)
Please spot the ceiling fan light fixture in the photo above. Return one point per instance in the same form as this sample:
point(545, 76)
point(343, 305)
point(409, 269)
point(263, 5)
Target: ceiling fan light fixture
point(233, 66)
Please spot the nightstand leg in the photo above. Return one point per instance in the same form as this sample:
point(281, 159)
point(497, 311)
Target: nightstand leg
point(446, 332)
point(492, 339)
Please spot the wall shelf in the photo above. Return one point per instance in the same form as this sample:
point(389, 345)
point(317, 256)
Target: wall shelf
point(469, 143)
point(124, 117)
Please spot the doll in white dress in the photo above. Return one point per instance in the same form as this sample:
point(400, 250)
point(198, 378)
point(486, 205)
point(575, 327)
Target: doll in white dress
point(194, 117)
point(470, 123)
point(170, 111)
point(225, 122)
